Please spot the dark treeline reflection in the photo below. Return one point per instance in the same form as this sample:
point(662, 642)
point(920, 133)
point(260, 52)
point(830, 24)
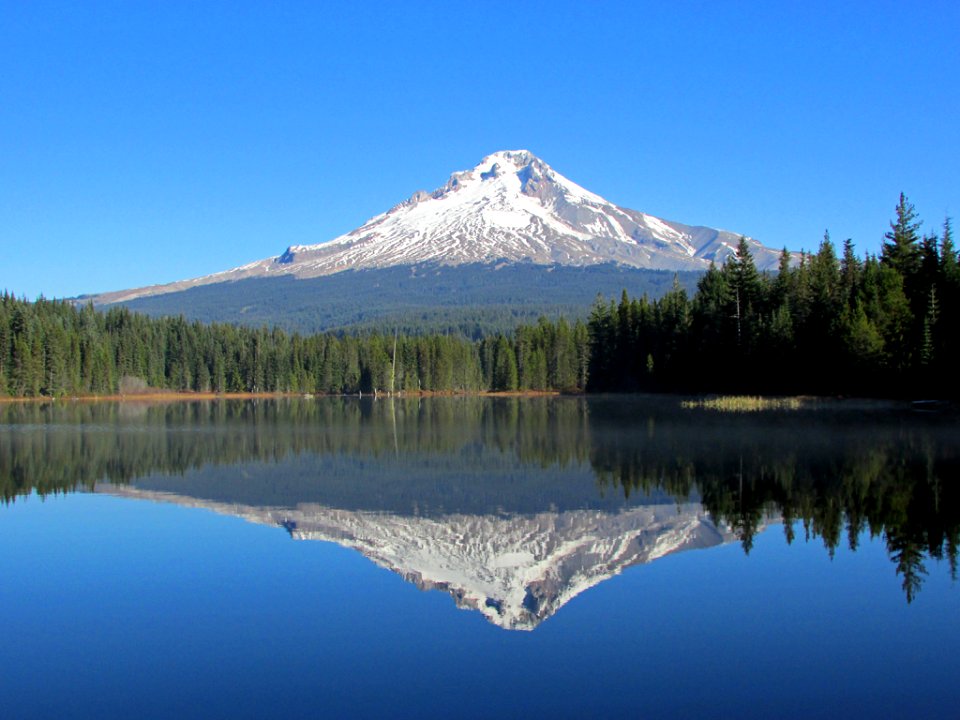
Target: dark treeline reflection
point(839, 470)
point(60, 447)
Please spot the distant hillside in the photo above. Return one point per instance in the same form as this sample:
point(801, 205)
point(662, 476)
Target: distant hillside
point(475, 299)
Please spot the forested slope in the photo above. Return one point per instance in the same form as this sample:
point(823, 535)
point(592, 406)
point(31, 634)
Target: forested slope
point(878, 326)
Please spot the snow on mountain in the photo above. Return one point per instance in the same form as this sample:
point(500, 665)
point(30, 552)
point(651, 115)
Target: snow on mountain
point(515, 569)
point(511, 207)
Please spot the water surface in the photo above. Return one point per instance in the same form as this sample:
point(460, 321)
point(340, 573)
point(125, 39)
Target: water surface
point(559, 556)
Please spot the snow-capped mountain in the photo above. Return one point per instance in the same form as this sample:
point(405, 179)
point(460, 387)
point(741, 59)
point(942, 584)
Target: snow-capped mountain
point(515, 569)
point(511, 207)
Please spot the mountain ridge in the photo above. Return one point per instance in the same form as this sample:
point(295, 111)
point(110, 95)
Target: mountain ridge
point(512, 207)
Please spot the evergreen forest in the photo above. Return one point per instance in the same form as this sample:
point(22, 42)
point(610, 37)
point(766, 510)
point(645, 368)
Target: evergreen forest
point(830, 323)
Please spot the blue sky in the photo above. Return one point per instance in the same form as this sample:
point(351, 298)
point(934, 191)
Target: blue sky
point(143, 142)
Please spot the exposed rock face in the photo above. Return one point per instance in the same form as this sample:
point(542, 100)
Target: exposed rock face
point(511, 207)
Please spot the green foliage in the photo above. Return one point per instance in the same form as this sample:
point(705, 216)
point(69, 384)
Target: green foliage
point(901, 249)
point(52, 348)
point(473, 300)
point(504, 366)
point(876, 327)
point(820, 326)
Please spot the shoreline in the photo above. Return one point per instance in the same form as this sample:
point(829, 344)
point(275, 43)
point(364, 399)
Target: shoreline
point(711, 402)
point(161, 397)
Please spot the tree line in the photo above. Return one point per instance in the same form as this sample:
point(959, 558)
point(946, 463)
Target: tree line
point(826, 324)
point(823, 324)
point(53, 348)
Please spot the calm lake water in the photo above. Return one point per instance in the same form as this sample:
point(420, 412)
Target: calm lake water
point(550, 557)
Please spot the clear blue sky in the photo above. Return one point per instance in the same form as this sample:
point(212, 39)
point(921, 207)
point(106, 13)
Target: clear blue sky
point(142, 142)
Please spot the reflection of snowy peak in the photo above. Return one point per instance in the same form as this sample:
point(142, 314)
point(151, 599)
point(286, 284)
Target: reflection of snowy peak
point(517, 570)
point(511, 207)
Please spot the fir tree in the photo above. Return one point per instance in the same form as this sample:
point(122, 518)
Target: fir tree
point(901, 247)
point(850, 271)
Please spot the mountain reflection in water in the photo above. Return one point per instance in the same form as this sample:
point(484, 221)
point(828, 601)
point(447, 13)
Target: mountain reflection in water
point(516, 569)
point(513, 506)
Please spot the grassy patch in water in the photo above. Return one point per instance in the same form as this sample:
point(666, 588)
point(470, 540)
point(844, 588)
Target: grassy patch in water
point(746, 403)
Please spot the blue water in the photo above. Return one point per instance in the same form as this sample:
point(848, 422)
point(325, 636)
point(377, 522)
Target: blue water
point(120, 607)
point(123, 608)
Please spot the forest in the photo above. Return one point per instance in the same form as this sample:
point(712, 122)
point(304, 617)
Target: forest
point(51, 348)
point(825, 324)
point(475, 299)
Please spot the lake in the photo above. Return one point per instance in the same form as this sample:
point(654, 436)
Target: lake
point(478, 557)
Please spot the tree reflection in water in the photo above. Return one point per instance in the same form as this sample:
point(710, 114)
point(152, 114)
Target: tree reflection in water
point(839, 469)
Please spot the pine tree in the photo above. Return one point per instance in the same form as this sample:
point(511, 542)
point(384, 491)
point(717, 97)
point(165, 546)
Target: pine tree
point(711, 323)
point(948, 253)
point(896, 321)
point(947, 340)
point(602, 336)
point(783, 283)
point(504, 366)
point(819, 334)
point(746, 296)
point(901, 249)
point(928, 349)
point(581, 343)
point(673, 316)
point(850, 271)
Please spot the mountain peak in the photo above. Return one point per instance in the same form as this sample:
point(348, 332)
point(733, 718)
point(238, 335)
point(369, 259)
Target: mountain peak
point(511, 207)
point(517, 158)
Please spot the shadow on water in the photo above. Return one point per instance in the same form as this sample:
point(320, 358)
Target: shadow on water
point(834, 471)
